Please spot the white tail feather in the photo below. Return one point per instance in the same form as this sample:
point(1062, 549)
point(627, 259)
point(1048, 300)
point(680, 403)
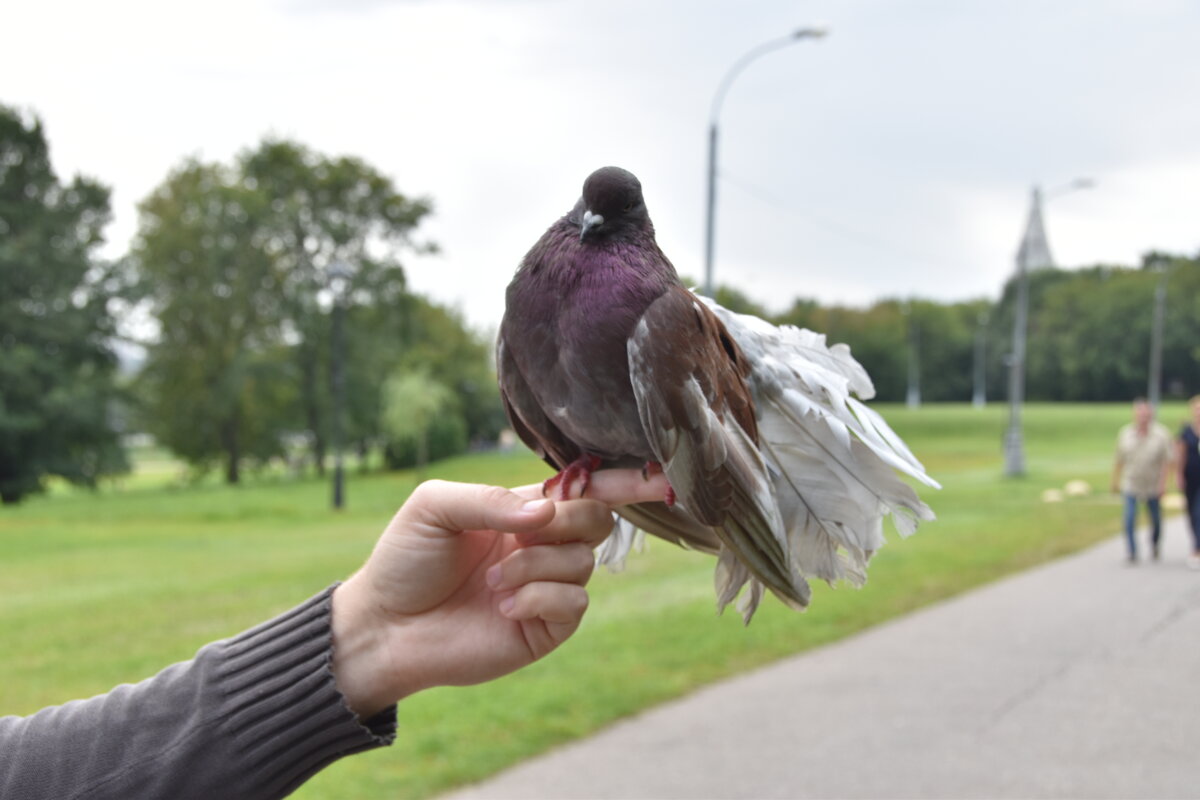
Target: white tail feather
point(832, 459)
point(831, 464)
point(613, 551)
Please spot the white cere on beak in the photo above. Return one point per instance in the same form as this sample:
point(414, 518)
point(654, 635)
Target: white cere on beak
point(590, 221)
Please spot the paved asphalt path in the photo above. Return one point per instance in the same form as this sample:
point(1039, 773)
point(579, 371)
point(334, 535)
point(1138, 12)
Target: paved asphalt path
point(1076, 679)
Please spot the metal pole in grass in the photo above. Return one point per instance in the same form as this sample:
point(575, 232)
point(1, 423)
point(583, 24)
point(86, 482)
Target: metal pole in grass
point(912, 397)
point(339, 283)
point(979, 395)
point(1034, 253)
point(1154, 389)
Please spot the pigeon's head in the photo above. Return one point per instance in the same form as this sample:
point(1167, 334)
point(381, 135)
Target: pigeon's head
point(612, 202)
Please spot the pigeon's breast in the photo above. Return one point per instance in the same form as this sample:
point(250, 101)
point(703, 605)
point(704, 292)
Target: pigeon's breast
point(598, 320)
point(575, 327)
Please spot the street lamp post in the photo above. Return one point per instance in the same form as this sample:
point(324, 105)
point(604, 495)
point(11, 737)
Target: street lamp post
point(979, 395)
point(1154, 389)
point(339, 281)
point(912, 398)
point(1034, 253)
point(718, 99)
point(1014, 445)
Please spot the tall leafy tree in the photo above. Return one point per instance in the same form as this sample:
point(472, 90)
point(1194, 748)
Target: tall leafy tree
point(412, 403)
point(438, 339)
point(215, 383)
point(945, 338)
point(239, 264)
point(56, 373)
point(325, 210)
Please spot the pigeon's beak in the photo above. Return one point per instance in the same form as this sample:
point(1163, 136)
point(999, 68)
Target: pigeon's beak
point(590, 221)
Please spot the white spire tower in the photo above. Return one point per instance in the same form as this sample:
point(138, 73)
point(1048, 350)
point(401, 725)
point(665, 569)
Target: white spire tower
point(1034, 252)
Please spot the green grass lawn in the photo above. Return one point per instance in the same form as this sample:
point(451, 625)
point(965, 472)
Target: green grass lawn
point(101, 588)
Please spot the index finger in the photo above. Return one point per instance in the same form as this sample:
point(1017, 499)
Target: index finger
point(613, 487)
point(587, 521)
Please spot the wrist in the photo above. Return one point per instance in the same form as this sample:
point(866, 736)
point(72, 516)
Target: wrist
point(360, 661)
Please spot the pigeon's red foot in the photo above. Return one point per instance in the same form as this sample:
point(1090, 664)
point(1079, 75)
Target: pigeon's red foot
point(655, 468)
point(578, 470)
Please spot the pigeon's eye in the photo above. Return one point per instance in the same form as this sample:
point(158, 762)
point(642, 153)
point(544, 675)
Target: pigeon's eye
point(628, 206)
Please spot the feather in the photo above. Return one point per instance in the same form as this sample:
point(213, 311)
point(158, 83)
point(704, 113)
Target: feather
point(624, 538)
point(832, 460)
point(776, 466)
point(715, 468)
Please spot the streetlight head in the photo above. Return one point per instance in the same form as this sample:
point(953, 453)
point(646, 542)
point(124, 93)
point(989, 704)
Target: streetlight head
point(815, 32)
point(1073, 186)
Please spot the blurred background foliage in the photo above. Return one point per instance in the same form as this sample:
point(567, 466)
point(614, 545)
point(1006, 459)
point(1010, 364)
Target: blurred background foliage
point(224, 305)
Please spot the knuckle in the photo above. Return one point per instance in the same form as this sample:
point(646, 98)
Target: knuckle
point(427, 489)
point(599, 516)
point(583, 561)
point(495, 495)
point(531, 597)
point(577, 601)
point(517, 565)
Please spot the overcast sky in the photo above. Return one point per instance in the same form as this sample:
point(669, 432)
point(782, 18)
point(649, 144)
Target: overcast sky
point(893, 158)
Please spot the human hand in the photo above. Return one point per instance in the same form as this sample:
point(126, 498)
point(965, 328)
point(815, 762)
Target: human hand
point(471, 582)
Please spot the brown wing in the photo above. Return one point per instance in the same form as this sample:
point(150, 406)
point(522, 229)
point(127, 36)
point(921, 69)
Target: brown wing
point(698, 415)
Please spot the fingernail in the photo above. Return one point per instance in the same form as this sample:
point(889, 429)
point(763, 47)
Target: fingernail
point(534, 506)
point(492, 576)
point(506, 605)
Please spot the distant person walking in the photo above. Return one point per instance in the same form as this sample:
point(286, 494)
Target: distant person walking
point(1188, 459)
point(1140, 472)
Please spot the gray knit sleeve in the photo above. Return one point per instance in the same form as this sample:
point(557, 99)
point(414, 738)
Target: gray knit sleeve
point(249, 717)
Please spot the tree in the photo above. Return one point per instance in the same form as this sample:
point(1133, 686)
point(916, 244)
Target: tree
point(947, 348)
point(877, 336)
point(215, 380)
point(1181, 317)
point(237, 263)
point(438, 339)
point(324, 210)
point(1090, 330)
point(730, 297)
point(413, 401)
point(881, 337)
point(57, 392)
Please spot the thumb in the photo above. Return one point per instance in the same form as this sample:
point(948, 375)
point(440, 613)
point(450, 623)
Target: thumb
point(440, 508)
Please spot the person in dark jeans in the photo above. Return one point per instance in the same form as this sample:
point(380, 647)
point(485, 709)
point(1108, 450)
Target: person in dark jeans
point(1188, 459)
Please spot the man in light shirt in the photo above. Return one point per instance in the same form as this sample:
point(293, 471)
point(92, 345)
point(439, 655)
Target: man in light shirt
point(1140, 472)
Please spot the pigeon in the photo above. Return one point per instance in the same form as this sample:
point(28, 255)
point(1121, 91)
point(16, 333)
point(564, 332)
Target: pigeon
point(775, 465)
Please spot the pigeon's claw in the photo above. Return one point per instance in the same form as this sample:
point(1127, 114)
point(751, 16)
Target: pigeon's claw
point(580, 470)
point(655, 468)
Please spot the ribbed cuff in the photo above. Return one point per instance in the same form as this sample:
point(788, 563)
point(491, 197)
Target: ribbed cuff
point(282, 706)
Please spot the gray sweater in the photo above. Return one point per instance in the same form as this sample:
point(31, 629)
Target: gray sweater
point(249, 717)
